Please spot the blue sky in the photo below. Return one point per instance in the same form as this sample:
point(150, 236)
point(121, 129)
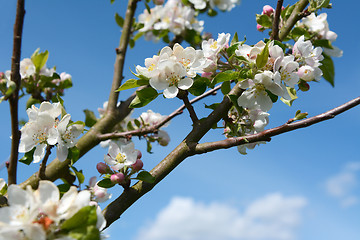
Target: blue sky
point(302, 185)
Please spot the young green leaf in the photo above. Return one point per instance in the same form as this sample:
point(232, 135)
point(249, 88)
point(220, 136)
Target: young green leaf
point(144, 97)
point(262, 57)
point(90, 118)
point(119, 20)
point(328, 69)
point(106, 183)
point(133, 83)
point(145, 177)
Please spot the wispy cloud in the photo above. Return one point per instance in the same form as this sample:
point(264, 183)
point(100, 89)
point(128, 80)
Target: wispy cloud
point(343, 184)
point(271, 217)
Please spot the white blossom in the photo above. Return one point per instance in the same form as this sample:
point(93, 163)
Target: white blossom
point(256, 96)
point(34, 214)
point(67, 136)
point(121, 155)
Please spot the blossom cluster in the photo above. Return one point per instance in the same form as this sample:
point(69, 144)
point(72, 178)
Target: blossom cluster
point(172, 16)
point(176, 68)
point(223, 5)
point(43, 215)
point(121, 162)
point(41, 82)
point(318, 25)
point(45, 127)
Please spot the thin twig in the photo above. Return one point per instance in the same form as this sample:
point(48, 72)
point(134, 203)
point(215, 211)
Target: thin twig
point(267, 134)
point(42, 168)
point(183, 95)
point(156, 127)
point(120, 55)
point(295, 16)
point(275, 27)
point(14, 99)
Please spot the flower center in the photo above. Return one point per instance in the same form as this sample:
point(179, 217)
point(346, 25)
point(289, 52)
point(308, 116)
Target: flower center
point(120, 158)
point(151, 67)
point(214, 45)
point(173, 79)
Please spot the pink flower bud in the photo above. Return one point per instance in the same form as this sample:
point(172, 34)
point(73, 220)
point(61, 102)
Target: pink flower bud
point(259, 28)
point(99, 193)
point(207, 75)
point(102, 168)
point(267, 10)
point(139, 154)
point(118, 178)
point(1, 75)
point(138, 165)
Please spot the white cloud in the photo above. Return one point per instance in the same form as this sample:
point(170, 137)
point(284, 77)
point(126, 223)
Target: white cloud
point(271, 217)
point(343, 184)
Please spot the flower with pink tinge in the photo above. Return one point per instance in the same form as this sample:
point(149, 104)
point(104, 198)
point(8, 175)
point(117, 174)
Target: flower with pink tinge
point(256, 96)
point(121, 155)
point(99, 194)
point(309, 73)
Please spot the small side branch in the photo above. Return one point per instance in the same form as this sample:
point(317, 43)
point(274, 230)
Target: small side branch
point(295, 16)
point(183, 95)
point(155, 128)
point(14, 98)
point(42, 169)
point(267, 134)
point(275, 27)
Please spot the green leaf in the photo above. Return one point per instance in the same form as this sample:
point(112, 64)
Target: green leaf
point(298, 32)
point(28, 157)
point(90, 118)
point(86, 216)
point(138, 35)
point(137, 123)
point(31, 101)
point(112, 1)
point(130, 127)
point(133, 83)
point(264, 20)
point(292, 93)
point(39, 59)
point(148, 146)
point(212, 106)
point(106, 183)
point(299, 115)
point(63, 188)
point(263, 57)
point(199, 86)
point(145, 177)
point(85, 233)
point(147, 8)
point(144, 97)
point(131, 43)
point(119, 20)
point(323, 43)
point(231, 50)
point(225, 88)
point(79, 174)
point(74, 154)
point(235, 39)
point(223, 77)
point(272, 96)
point(328, 69)
point(211, 12)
